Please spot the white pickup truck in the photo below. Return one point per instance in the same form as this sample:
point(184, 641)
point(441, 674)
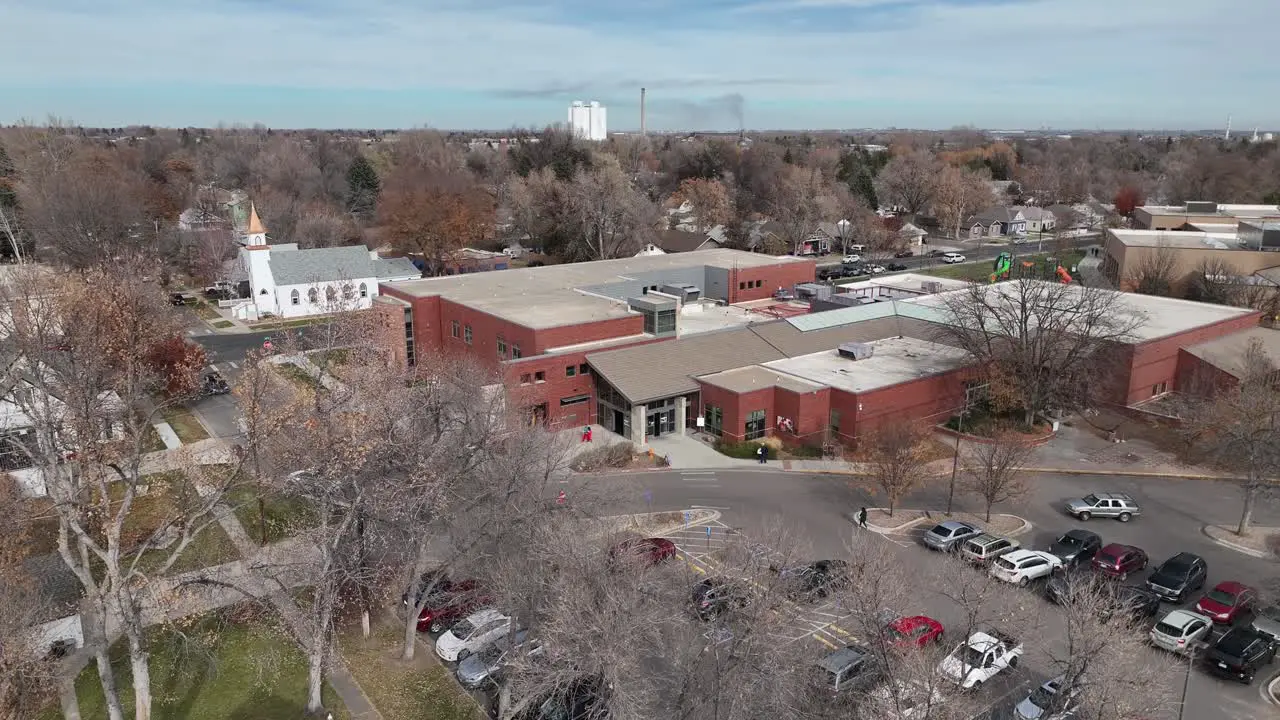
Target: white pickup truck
point(981, 658)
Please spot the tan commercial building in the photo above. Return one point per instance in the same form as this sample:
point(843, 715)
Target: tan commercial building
point(1197, 213)
point(1128, 253)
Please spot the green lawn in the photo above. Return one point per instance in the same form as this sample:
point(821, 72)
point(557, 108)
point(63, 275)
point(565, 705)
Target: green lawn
point(185, 424)
point(285, 516)
point(237, 664)
point(205, 310)
point(298, 377)
point(400, 690)
point(283, 324)
point(981, 270)
point(222, 324)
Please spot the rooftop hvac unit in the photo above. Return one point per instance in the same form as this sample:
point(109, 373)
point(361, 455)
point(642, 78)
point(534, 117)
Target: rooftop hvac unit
point(810, 290)
point(856, 351)
point(931, 286)
point(1202, 206)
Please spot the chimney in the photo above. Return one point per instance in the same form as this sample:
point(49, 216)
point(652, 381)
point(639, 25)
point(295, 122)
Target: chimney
point(642, 130)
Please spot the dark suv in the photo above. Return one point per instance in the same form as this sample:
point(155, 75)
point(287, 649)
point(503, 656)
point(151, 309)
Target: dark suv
point(1076, 547)
point(852, 667)
point(1239, 654)
point(816, 580)
point(1178, 576)
point(714, 597)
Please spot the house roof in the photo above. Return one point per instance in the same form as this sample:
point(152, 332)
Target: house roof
point(354, 262)
point(255, 223)
point(1032, 212)
point(55, 584)
point(757, 377)
point(678, 241)
point(998, 213)
point(1228, 353)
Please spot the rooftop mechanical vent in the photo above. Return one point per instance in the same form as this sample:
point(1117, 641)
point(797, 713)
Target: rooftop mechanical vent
point(856, 351)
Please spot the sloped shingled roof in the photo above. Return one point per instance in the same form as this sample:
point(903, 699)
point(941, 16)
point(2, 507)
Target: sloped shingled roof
point(296, 267)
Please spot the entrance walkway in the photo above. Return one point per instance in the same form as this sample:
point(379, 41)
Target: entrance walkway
point(686, 451)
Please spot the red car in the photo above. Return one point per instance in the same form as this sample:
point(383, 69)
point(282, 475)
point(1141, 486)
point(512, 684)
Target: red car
point(1227, 601)
point(1119, 561)
point(651, 551)
point(450, 604)
point(918, 630)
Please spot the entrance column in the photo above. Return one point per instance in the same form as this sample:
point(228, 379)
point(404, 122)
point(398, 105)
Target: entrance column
point(638, 425)
point(682, 407)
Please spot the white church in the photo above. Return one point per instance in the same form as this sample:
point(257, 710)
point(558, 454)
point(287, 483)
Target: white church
point(286, 282)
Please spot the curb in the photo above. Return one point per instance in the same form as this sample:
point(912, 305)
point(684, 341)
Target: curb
point(1131, 473)
point(928, 518)
point(1270, 691)
point(1204, 530)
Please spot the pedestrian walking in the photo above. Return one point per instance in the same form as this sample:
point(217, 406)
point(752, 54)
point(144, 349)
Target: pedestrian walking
point(587, 431)
point(561, 497)
point(862, 517)
point(762, 454)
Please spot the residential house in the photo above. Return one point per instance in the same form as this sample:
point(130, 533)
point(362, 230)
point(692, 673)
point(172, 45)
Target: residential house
point(972, 228)
point(57, 623)
point(473, 260)
point(1002, 220)
point(823, 238)
point(910, 236)
point(678, 241)
point(1039, 220)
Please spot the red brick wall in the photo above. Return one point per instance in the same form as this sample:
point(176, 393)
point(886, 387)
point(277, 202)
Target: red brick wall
point(808, 413)
point(929, 399)
point(1197, 377)
point(557, 385)
point(587, 332)
point(736, 407)
point(742, 281)
point(1156, 362)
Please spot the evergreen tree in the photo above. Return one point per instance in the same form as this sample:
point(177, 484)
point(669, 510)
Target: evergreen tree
point(8, 177)
point(362, 187)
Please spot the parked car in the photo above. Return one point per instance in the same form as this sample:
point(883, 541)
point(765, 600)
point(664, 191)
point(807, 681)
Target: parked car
point(917, 630)
point(1267, 622)
point(1239, 654)
point(716, 596)
point(1174, 578)
point(213, 384)
point(582, 698)
point(1112, 505)
point(1062, 586)
point(1022, 566)
point(647, 551)
point(852, 667)
point(949, 535)
point(851, 269)
point(450, 602)
point(1046, 699)
point(952, 258)
point(816, 580)
point(980, 658)
point(1227, 601)
point(1120, 561)
point(981, 550)
point(935, 253)
point(903, 254)
point(179, 299)
point(1138, 603)
point(875, 269)
point(1076, 547)
point(1181, 630)
point(472, 634)
point(831, 273)
point(895, 267)
point(851, 258)
point(488, 663)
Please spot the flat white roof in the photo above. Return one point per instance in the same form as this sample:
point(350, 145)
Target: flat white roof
point(893, 361)
point(1177, 239)
point(906, 282)
point(1223, 209)
point(1159, 316)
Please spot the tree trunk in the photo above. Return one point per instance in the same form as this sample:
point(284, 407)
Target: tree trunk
point(141, 666)
point(97, 627)
point(988, 512)
point(316, 661)
point(1029, 417)
point(1246, 513)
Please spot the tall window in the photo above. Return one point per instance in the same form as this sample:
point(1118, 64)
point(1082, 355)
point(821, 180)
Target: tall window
point(455, 328)
point(294, 298)
point(834, 422)
point(502, 347)
point(755, 425)
point(313, 296)
point(515, 352)
point(347, 292)
point(466, 334)
point(364, 290)
point(715, 418)
point(410, 355)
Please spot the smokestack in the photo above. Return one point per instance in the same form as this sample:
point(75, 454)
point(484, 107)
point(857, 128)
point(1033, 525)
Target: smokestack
point(642, 131)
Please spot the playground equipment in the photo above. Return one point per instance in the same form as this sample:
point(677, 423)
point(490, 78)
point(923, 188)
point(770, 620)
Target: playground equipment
point(1064, 276)
point(1049, 269)
point(1002, 266)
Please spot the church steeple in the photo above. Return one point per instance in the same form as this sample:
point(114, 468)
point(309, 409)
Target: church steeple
point(256, 232)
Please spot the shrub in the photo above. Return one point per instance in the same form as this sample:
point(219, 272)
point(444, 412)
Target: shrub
point(745, 450)
point(617, 455)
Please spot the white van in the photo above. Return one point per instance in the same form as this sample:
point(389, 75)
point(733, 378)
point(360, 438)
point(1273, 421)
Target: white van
point(850, 249)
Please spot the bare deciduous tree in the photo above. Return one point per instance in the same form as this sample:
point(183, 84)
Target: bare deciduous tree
point(710, 200)
point(896, 458)
point(27, 673)
point(1047, 343)
point(612, 219)
point(1236, 426)
point(1154, 274)
point(959, 194)
point(993, 470)
point(433, 213)
point(909, 180)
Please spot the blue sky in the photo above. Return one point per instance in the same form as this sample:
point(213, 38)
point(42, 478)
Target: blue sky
point(708, 64)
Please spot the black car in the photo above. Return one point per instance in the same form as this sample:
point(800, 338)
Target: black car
point(894, 267)
point(213, 384)
point(816, 580)
point(1239, 654)
point(1066, 582)
point(178, 299)
point(714, 597)
point(585, 698)
point(830, 273)
point(1138, 603)
point(1178, 576)
point(903, 254)
point(854, 269)
point(1076, 547)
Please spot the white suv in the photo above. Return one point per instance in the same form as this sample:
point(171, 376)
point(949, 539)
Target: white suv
point(952, 258)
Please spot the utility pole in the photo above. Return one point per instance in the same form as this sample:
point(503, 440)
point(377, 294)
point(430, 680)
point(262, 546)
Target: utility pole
point(969, 392)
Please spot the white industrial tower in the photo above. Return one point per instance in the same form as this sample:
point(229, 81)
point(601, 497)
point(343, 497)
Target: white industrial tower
point(587, 120)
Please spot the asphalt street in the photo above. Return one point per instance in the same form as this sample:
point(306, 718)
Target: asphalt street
point(1173, 512)
point(971, 250)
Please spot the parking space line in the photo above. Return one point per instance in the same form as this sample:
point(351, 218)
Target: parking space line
point(825, 641)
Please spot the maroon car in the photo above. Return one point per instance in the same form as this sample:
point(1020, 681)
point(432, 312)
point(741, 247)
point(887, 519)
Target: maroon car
point(917, 630)
point(1119, 561)
point(650, 551)
point(449, 603)
point(1227, 601)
